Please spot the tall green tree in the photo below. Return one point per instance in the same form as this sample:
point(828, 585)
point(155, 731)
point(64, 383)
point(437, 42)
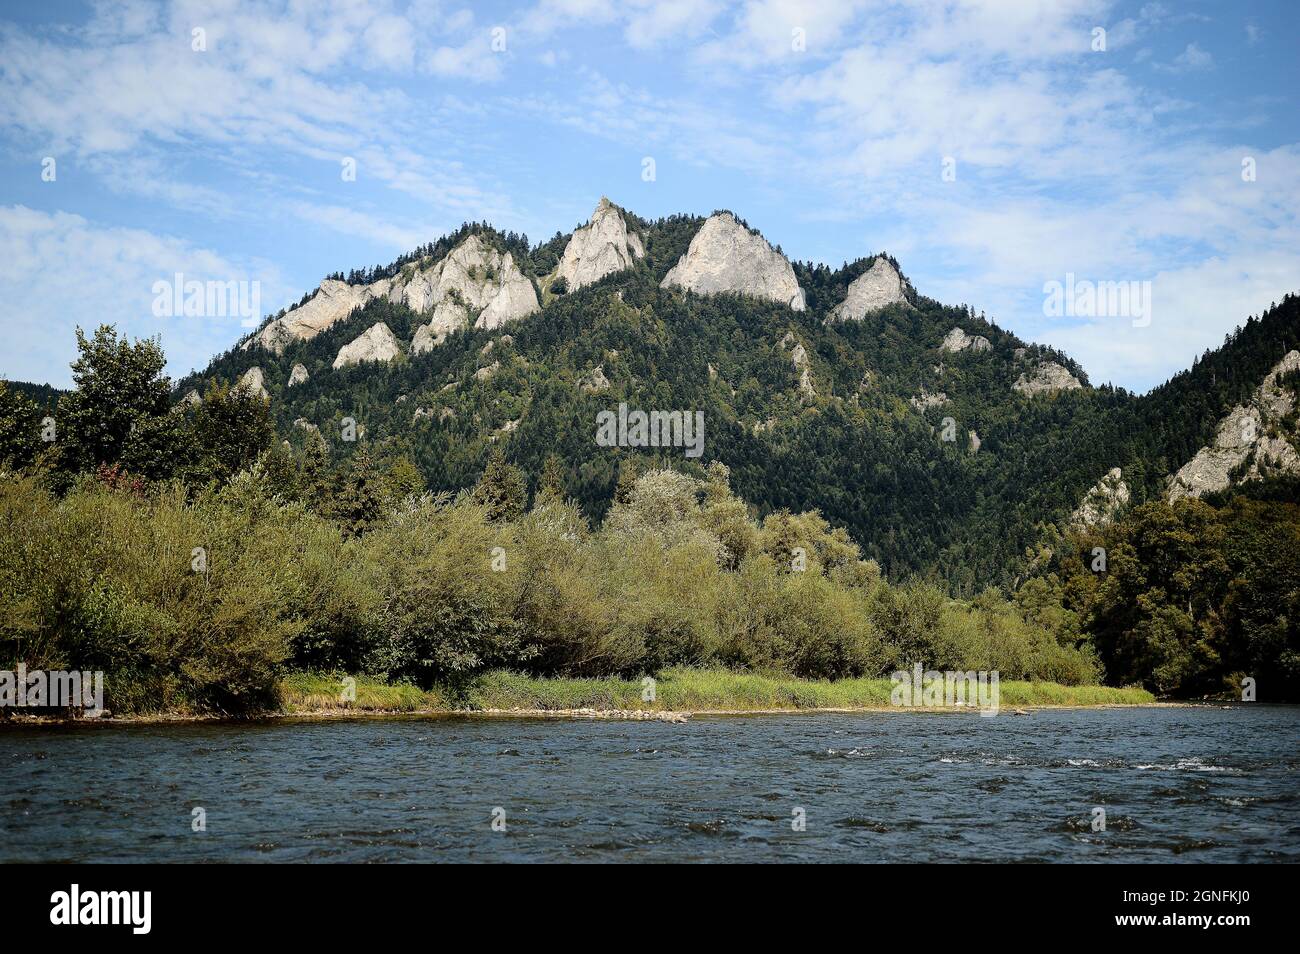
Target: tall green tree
point(230, 428)
point(120, 411)
point(550, 488)
point(502, 489)
point(19, 428)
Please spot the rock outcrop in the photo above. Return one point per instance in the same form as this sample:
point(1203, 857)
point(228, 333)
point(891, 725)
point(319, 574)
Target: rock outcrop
point(878, 286)
point(254, 381)
point(975, 442)
point(332, 303)
point(1103, 501)
point(926, 400)
point(603, 246)
point(594, 381)
point(957, 340)
point(192, 397)
point(298, 375)
point(802, 366)
point(473, 279)
point(1047, 378)
point(725, 256)
point(376, 343)
point(1245, 439)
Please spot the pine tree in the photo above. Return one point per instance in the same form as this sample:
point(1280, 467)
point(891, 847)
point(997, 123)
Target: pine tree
point(502, 489)
point(627, 475)
point(360, 505)
point(550, 489)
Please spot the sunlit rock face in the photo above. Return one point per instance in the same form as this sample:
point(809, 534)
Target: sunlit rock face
point(725, 256)
point(603, 246)
point(1103, 501)
point(877, 287)
point(475, 281)
point(254, 381)
point(1047, 378)
point(298, 375)
point(957, 340)
point(332, 303)
point(377, 343)
point(802, 366)
point(1248, 437)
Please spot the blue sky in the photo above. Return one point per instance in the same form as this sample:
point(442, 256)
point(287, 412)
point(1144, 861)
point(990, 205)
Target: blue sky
point(825, 125)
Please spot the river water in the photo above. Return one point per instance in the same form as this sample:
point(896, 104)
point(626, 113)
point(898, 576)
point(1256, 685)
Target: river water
point(1195, 784)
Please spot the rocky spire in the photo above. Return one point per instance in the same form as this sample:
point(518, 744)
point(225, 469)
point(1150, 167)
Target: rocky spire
point(725, 256)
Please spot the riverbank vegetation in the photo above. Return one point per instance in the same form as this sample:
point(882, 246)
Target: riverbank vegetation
point(199, 560)
point(675, 690)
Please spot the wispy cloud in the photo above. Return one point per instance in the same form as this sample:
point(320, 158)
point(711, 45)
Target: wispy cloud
point(997, 144)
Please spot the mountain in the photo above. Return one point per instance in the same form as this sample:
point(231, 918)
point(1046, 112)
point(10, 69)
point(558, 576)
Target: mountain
point(946, 445)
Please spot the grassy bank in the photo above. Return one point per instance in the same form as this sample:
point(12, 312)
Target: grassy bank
point(678, 690)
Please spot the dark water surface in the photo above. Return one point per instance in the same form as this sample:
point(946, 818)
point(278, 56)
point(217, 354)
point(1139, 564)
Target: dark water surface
point(1197, 785)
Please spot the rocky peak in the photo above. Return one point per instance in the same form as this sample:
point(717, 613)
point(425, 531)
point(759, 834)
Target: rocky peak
point(473, 278)
point(724, 256)
point(1047, 378)
point(1243, 436)
point(878, 286)
point(603, 246)
point(1103, 501)
point(957, 340)
point(298, 375)
point(376, 343)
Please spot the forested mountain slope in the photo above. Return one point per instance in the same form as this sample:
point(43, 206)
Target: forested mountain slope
point(944, 444)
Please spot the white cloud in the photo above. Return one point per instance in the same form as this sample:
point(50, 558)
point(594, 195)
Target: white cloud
point(388, 40)
point(1192, 59)
point(365, 225)
point(60, 271)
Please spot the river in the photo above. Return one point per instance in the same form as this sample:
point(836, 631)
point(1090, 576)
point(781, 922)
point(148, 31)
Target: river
point(1197, 784)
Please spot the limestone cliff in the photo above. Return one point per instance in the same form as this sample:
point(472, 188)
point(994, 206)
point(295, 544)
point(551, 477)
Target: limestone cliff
point(1248, 437)
point(255, 383)
point(1047, 378)
point(473, 279)
point(957, 340)
point(725, 256)
point(376, 343)
point(334, 300)
point(878, 286)
point(1103, 501)
point(603, 246)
